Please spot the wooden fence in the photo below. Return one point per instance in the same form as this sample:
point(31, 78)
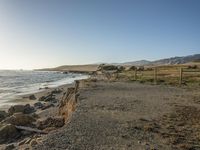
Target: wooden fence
point(155, 72)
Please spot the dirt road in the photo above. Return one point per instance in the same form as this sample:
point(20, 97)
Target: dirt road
point(123, 116)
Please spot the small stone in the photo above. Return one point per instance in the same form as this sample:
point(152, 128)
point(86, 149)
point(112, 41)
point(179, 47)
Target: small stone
point(10, 147)
point(32, 97)
point(48, 98)
point(33, 142)
point(28, 109)
point(22, 142)
point(47, 105)
point(42, 98)
point(56, 91)
point(28, 141)
point(38, 105)
point(50, 122)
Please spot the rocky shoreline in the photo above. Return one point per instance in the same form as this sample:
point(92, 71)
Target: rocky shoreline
point(21, 126)
point(105, 114)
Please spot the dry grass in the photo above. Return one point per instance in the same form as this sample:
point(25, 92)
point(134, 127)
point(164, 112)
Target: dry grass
point(166, 75)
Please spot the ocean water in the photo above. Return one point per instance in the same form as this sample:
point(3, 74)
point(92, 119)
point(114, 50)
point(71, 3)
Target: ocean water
point(16, 83)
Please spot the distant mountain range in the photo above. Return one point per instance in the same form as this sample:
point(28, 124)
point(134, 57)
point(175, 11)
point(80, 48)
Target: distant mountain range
point(166, 61)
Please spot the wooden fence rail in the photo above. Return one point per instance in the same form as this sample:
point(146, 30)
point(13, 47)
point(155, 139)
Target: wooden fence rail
point(180, 76)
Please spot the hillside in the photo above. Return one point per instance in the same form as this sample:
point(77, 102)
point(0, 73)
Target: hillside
point(191, 59)
point(74, 68)
point(166, 61)
point(177, 60)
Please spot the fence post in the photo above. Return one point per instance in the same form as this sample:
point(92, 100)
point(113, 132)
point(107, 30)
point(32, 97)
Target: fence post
point(181, 76)
point(155, 75)
point(135, 74)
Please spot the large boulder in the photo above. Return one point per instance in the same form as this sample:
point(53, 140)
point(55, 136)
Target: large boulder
point(3, 115)
point(8, 132)
point(50, 122)
point(27, 109)
point(20, 119)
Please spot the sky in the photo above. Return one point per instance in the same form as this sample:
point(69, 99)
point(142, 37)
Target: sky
point(48, 33)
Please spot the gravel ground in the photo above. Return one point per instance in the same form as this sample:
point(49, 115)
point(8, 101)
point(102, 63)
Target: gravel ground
point(123, 116)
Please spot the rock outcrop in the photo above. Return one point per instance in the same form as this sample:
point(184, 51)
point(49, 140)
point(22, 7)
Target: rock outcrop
point(68, 102)
point(26, 109)
point(8, 132)
point(56, 122)
point(19, 119)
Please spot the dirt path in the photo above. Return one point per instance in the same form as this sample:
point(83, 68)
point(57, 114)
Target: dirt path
point(120, 116)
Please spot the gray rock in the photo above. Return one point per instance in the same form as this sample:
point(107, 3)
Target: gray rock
point(27, 109)
point(48, 105)
point(32, 97)
point(15, 109)
point(50, 122)
point(8, 132)
point(19, 119)
point(42, 98)
point(3, 115)
point(48, 98)
point(56, 91)
point(38, 105)
point(10, 147)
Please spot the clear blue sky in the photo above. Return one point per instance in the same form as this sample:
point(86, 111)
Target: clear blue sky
point(48, 33)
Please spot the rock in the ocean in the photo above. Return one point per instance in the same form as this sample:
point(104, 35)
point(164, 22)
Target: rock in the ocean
point(3, 115)
point(27, 109)
point(8, 132)
point(50, 122)
point(32, 97)
point(20, 119)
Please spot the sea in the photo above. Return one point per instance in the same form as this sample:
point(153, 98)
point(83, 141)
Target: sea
point(14, 83)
